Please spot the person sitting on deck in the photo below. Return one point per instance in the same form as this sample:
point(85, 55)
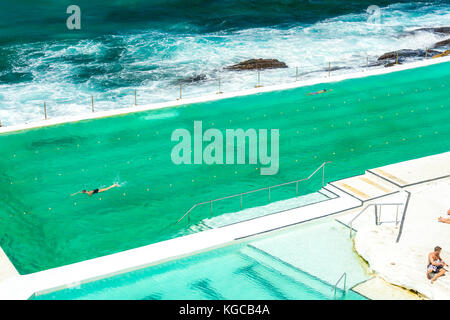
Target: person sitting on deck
point(435, 268)
point(90, 193)
point(445, 220)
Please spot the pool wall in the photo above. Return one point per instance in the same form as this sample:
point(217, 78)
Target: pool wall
point(23, 287)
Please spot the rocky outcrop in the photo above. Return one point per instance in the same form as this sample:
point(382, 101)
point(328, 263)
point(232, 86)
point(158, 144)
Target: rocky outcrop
point(443, 43)
point(408, 53)
point(440, 30)
point(443, 54)
point(193, 79)
point(257, 64)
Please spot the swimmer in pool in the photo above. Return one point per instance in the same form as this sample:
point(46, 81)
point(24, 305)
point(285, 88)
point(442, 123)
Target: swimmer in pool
point(320, 91)
point(90, 193)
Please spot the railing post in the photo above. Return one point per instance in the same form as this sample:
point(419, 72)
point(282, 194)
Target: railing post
point(426, 53)
point(367, 63)
point(45, 111)
point(296, 74)
point(241, 201)
point(92, 103)
point(396, 215)
point(135, 99)
point(376, 215)
point(329, 68)
point(323, 175)
point(269, 194)
point(180, 92)
point(396, 62)
point(259, 80)
point(220, 91)
point(296, 189)
point(211, 208)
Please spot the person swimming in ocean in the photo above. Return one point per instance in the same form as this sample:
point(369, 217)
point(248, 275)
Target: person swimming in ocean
point(320, 91)
point(90, 193)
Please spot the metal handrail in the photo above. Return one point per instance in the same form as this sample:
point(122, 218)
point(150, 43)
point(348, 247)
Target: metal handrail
point(377, 216)
point(322, 166)
point(344, 275)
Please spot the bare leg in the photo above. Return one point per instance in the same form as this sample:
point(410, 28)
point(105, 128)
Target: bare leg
point(106, 189)
point(443, 220)
point(439, 274)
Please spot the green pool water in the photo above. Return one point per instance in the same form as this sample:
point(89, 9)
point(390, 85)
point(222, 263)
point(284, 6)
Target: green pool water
point(282, 265)
point(360, 124)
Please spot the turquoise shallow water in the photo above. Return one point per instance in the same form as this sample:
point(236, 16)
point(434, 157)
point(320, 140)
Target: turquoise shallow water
point(303, 269)
point(361, 124)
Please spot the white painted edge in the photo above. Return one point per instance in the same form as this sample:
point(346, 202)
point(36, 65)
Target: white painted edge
point(183, 102)
point(23, 287)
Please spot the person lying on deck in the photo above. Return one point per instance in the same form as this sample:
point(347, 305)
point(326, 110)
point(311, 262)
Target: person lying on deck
point(435, 268)
point(90, 193)
point(445, 220)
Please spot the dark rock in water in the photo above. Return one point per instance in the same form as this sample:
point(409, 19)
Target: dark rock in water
point(408, 53)
point(443, 54)
point(258, 64)
point(193, 79)
point(443, 43)
point(442, 30)
point(391, 64)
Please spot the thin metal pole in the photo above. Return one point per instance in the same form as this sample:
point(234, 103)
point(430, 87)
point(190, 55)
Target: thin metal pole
point(376, 215)
point(396, 216)
point(296, 74)
point(92, 103)
point(259, 80)
point(269, 194)
point(329, 68)
point(220, 91)
point(397, 59)
point(426, 53)
point(323, 175)
point(241, 201)
point(180, 92)
point(211, 208)
point(45, 111)
point(367, 62)
point(135, 100)
point(296, 189)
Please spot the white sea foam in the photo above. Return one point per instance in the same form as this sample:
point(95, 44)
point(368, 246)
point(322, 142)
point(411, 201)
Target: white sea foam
point(151, 61)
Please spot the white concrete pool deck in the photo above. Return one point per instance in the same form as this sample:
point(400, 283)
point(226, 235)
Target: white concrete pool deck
point(404, 263)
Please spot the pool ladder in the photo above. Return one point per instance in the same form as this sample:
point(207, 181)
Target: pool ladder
point(343, 276)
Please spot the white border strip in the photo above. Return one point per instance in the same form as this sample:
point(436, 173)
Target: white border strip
point(182, 102)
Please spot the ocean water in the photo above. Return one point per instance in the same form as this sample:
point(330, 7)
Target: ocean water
point(148, 46)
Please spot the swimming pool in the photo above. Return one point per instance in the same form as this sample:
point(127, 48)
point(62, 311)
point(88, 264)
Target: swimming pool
point(361, 124)
point(296, 263)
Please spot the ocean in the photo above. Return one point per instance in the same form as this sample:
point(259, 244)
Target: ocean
point(150, 46)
